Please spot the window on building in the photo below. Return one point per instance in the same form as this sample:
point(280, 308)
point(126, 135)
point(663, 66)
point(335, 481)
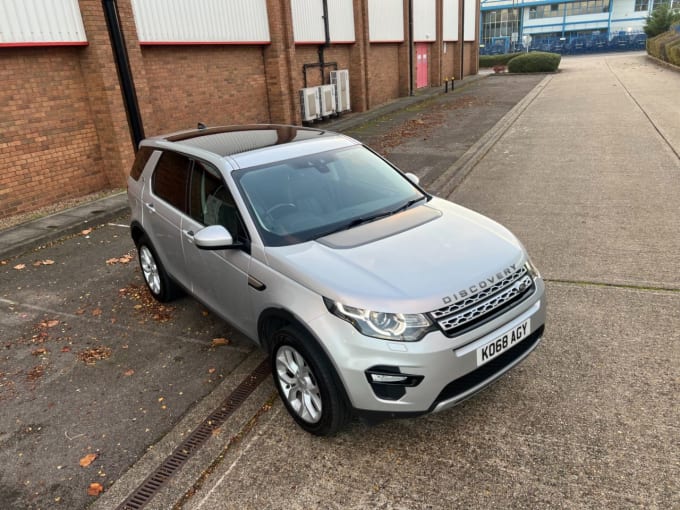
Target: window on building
point(641, 5)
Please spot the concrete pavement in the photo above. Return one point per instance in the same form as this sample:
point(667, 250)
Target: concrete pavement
point(584, 169)
point(588, 176)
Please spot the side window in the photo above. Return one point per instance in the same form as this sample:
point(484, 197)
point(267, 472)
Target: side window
point(170, 179)
point(141, 159)
point(211, 203)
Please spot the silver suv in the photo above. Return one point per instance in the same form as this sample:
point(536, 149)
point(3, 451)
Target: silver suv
point(371, 296)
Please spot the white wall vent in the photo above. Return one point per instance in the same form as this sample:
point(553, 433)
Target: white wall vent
point(310, 104)
point(328, 103)
point(340, 79)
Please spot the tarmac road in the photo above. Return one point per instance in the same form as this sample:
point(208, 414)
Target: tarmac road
point(584, 169)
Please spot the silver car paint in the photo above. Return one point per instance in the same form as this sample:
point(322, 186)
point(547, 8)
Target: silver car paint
point(426, 263)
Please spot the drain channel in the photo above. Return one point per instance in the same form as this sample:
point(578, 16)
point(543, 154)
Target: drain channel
point(156, 480)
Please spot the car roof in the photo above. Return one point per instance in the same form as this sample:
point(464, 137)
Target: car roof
point(233, 140)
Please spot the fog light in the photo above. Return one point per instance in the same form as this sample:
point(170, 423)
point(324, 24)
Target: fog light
point(389, 383)
point(384, 378)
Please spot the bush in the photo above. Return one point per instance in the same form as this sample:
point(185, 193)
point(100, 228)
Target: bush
point(660, 19)
point(658, 46)
point(535, 62)
point(496, 60)
point(673, 53)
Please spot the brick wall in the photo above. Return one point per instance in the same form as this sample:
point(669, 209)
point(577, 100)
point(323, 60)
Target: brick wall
point(64, 130)
point(212, 84)
point(49, 148)
point(383, 73)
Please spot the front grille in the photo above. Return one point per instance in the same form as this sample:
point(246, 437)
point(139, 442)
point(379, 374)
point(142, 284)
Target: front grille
point(467, 313)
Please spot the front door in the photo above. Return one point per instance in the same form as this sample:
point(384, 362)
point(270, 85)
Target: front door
point(421, 65)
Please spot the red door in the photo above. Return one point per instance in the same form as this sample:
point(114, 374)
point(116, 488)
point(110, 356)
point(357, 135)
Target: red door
point(421, 65)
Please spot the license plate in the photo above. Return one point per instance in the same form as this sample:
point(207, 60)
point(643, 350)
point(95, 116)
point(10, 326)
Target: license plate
point(504, 342)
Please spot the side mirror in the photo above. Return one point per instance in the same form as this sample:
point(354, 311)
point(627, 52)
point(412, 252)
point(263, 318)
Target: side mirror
point(413, 178)
point(214, 237)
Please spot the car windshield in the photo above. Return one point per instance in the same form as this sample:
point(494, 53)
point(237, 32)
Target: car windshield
point(305, 198)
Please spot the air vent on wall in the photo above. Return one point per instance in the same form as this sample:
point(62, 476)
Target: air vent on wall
point(328, 105)
point(310, 104)
point(340, 79)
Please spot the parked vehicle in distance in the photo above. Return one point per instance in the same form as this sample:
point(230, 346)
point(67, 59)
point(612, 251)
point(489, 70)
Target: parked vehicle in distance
point(371, 296)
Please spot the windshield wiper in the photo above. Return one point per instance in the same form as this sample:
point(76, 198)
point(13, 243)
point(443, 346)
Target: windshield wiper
point(407, 205)
point(368, 219)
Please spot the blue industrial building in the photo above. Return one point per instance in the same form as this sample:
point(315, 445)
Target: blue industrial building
point(571, 26)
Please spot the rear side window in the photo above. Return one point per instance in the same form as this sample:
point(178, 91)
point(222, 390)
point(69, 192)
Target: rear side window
point(170, 179)
point(141, 159)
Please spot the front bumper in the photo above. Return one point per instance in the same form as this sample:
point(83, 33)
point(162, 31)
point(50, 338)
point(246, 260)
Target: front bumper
point(445, 369)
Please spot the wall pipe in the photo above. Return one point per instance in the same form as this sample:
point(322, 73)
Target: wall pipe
point(410, 47)
point(122, 61)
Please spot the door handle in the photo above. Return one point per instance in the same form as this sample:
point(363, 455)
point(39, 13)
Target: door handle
point(150, 207)
point(189, 234)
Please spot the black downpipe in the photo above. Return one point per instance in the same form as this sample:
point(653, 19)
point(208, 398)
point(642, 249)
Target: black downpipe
point(462, 41)
point(410, 47)
point(327, 43)
point(127, 84)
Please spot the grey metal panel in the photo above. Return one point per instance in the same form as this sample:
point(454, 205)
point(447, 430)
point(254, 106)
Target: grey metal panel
point(424, 20)
point(386, 20)
point(307, 21)
point(341, 18)
point(308, 25)
point(470, 29)
point(201, 21)
point(450, 20)
point(41, 21)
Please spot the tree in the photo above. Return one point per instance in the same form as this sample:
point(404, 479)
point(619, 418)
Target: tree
point(661, 19)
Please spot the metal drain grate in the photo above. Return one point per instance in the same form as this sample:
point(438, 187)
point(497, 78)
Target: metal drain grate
point(156, 480)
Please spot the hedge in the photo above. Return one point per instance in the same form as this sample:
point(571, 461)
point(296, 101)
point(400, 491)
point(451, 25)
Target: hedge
point(496, 60)
point(674, 55)
point(535, 62)
point(658, 46)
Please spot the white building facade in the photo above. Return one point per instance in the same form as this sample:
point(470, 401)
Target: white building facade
point(570, 26)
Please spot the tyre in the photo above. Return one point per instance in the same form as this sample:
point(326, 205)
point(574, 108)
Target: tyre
point(308, 384)
point(157, 280)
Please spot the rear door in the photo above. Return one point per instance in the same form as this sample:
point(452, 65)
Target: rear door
point(165, 202)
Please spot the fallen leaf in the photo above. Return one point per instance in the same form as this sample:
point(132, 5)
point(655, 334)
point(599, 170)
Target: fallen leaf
point(48, 262)
point(211, 370)
point(38, 352)
point(219, 341)
point(86, 231)
point(88, 459)
point(50, 323)
point(19, 267)
point(97, 312)
point(111, 261)
point(66, 348)
point(91, 356)
point(128, 373)
point(80, 311)
point(95, 489)
point(205, 313)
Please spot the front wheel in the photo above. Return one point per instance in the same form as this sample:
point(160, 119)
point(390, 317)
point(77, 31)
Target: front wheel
point(308, 384)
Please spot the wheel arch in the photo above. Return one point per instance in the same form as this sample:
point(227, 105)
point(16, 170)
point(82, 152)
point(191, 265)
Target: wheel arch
point(273, 319)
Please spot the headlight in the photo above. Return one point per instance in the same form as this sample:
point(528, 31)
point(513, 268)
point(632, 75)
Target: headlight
point(531, 269)
point(403, 327)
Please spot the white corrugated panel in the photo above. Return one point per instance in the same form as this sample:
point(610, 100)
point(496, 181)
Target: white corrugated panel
point(470, 28)
point(450, 20)
point(341, 16)
point(308, 26)
point(386, 20)
point(308, 21)
point(424, 20)
point(49, 22)
point(201, 21)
